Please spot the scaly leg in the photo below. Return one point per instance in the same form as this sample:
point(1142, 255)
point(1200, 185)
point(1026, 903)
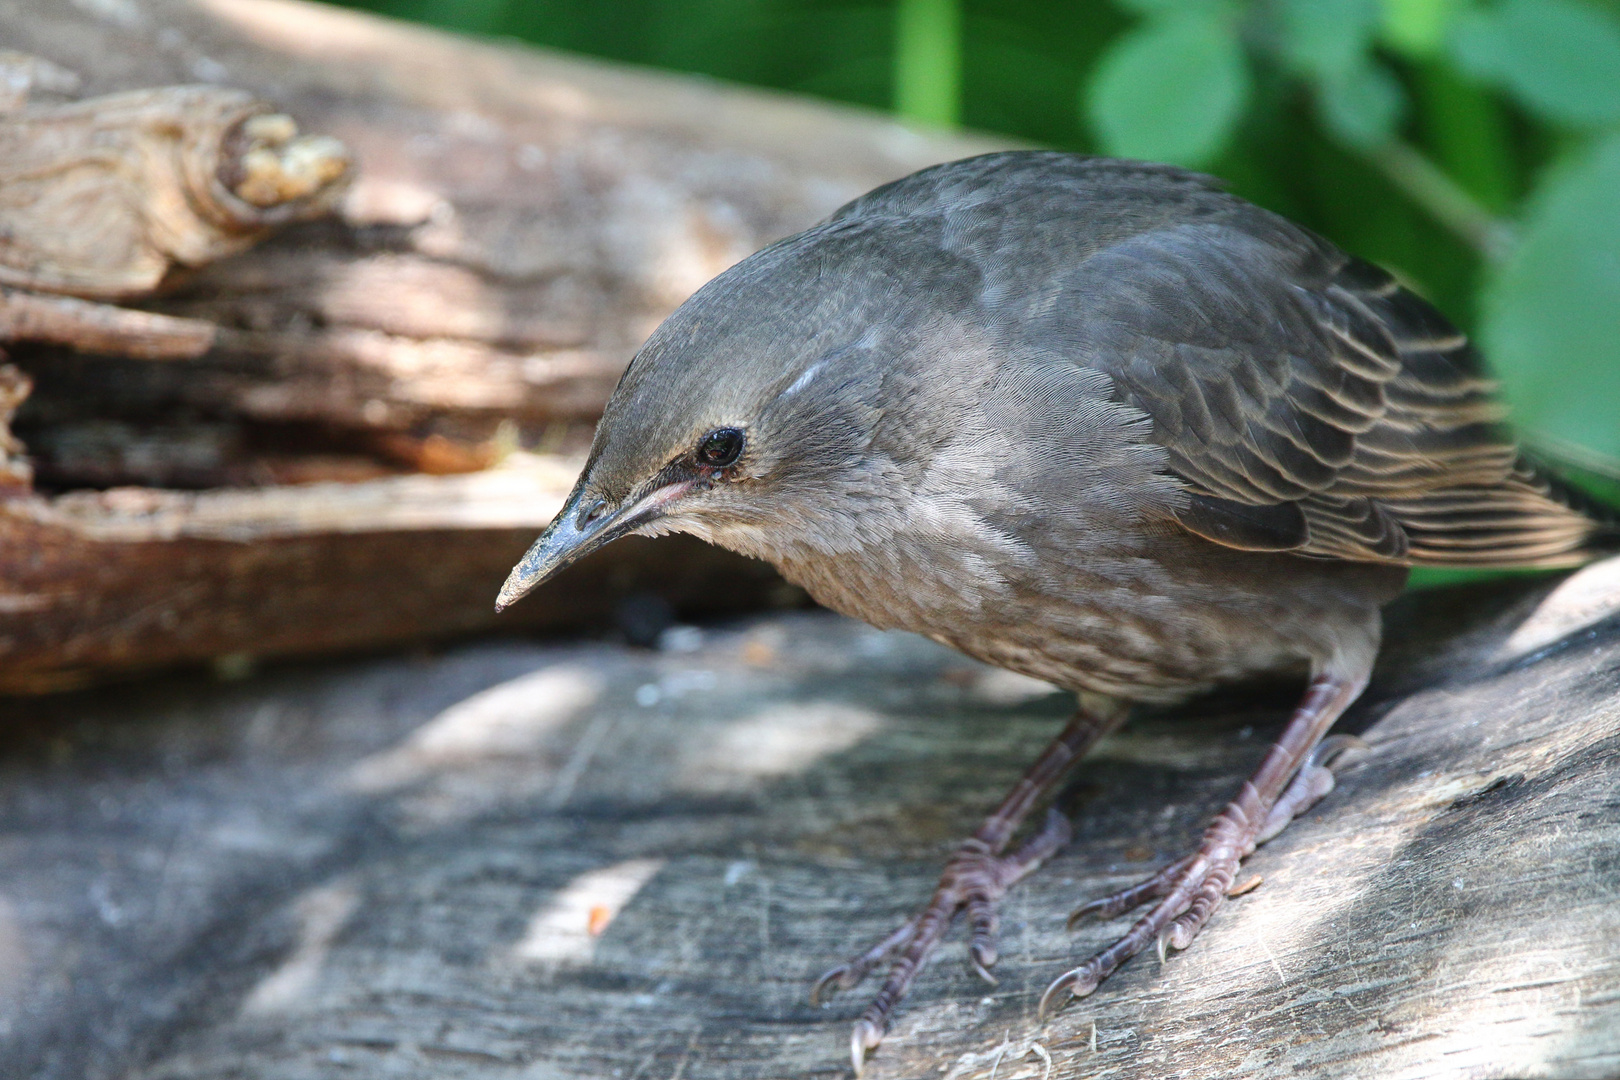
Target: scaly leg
point(975, 878)
point(1290, 779)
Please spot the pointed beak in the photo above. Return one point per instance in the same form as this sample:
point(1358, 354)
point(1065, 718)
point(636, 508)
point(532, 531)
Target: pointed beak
point(570, 536)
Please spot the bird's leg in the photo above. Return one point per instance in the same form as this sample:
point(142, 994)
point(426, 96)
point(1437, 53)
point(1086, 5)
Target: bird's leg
point(1292, 777)
point(974, 879)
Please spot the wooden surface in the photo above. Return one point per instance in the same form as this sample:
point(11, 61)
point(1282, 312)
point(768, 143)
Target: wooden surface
point(517, 223)
point(392, 867)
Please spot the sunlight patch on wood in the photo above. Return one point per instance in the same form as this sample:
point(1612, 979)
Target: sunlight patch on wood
point(514, 719)
point(1586, 597)
point(777, 741)
point(564, 931)
point(322, 913)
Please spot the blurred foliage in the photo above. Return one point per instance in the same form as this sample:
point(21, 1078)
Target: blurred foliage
point(1473, 146)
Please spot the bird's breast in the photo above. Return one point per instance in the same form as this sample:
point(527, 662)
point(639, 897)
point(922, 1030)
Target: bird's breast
point(1144, 617)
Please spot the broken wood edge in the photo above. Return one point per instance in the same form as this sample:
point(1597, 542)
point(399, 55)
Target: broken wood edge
point(91, 327)
point(525, 490)
point(195, 172)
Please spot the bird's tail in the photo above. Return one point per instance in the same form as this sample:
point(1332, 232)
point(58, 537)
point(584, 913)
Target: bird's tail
point(1571, 476)
point(1532, 518)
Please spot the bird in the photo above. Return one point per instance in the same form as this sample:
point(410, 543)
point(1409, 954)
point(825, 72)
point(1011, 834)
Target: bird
point(1095, 421)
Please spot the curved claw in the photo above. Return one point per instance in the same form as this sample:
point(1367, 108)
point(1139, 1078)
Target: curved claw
point(852, 973)
point(839, 976)
point(1077, 983)
point(863, 1037)
point(1331, 749)
point(981, 961)
point(1081, 913)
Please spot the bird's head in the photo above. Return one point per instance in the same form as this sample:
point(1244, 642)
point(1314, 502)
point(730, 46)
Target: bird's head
point(748, 417)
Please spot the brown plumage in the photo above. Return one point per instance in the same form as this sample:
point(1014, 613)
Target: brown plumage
point(1091, 420)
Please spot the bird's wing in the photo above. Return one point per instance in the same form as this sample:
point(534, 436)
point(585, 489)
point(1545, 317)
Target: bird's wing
point(1312, 404)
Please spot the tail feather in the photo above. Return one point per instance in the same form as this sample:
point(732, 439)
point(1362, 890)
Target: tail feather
point(1533, 519)
point(1604, 516)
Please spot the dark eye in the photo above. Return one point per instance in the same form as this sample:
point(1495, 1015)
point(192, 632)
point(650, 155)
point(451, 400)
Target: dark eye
point(720, 448)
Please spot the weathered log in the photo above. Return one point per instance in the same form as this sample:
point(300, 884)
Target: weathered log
point(584, 861)
point(518, 221)
point(103, 197)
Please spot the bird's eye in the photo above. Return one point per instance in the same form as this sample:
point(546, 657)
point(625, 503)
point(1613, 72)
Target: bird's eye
point(720, 448)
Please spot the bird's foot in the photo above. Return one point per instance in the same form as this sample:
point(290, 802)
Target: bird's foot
point(1190, 890)
point(974, 880)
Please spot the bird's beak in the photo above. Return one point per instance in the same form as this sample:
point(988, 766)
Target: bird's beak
point(569, 538)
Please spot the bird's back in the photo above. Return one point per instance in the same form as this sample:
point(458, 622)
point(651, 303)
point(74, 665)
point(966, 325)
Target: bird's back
point(1306, 402)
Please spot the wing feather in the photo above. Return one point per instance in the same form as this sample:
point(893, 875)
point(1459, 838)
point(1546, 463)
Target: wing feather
point(1280, 372)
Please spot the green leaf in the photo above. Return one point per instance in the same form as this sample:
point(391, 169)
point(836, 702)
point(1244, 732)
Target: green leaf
point(1363, 106)
point(1560, 59)
point(928, 61)
point(1551, 323)
point(1171, 90)
point(1327, 38)
point(1418, 27)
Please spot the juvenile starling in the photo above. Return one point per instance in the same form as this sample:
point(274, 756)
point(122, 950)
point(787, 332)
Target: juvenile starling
point(1094, 421)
